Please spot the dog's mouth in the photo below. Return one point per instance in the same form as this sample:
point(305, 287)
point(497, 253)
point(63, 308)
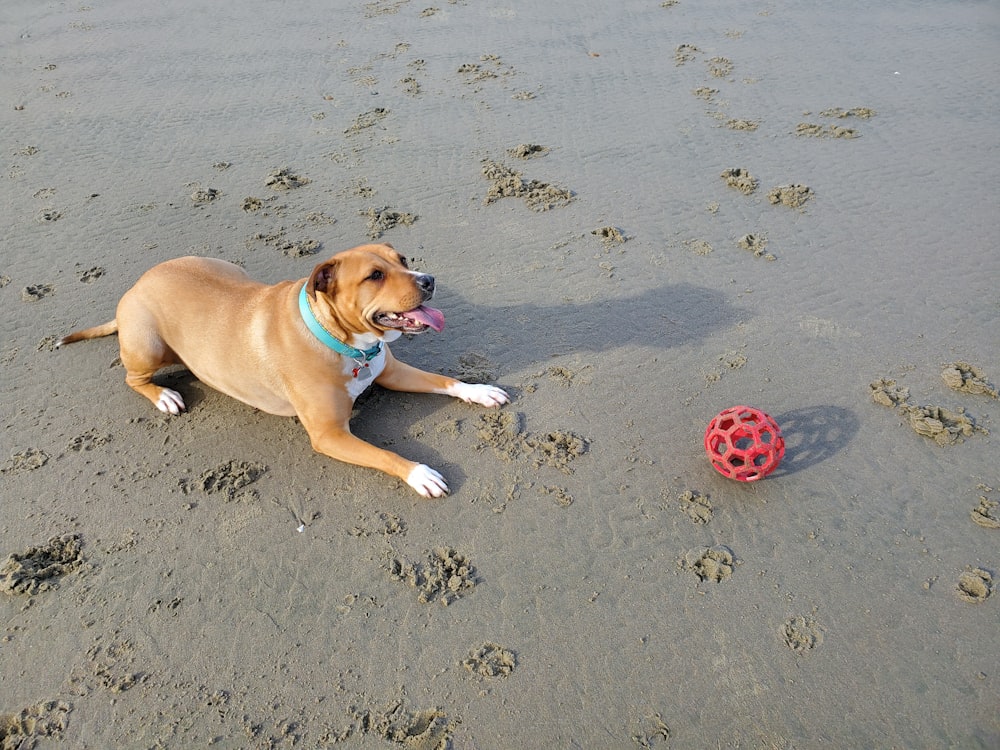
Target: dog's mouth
point(417, 320)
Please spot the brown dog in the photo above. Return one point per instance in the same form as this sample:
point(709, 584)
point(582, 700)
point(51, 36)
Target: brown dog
point(305, 348)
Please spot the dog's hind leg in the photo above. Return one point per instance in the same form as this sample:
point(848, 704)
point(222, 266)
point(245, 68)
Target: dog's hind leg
point(143, 352)
point(140, 366)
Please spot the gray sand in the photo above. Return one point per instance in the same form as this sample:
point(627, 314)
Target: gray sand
point(591, 582)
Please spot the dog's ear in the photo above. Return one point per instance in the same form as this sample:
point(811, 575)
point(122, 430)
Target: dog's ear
point(322, 279)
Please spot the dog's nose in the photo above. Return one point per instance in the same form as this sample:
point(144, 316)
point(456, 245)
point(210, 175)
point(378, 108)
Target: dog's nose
point(426, 283)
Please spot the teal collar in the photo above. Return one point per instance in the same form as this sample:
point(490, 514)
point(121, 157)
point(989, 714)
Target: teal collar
point(309, 318)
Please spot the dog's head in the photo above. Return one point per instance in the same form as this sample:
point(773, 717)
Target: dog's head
point(370, 289)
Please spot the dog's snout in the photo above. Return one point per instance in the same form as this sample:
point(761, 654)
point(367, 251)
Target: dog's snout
point(426, 283)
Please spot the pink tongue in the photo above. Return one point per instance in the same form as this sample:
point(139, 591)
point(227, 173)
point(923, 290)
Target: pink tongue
point(428, 316)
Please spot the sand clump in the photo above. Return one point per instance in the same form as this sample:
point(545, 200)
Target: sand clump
point(509, 183)
point(557, 449)
point(944, 426)
point(528, 151)
point(410, 85)
point(27, 460)
point(285, 179)
point(489, 67)
point(985, 514)
point(825, 131)
point(203, 195)
point(366, 120)
point(801, 634)
point(697, 507)
point(740, 179)
point(380, 523)
point(490, 660)
point(560, 495)
point(381, 220)
point(889, 393)
point(713, 564)
point(975, 585)
point(685, 53)
point(863, 113)
point(610, 235)
point(228, 479)
point(21, 731)
point(427, 729)
point(562, 375)
point(292, 248)
point(736, 123)
point(38, 569)
point(110, 665)
point(445, 576)
point(967, 378)
point(700, 247)
point(756, 244)
point(503, 432)
point(88, 441)
point(793, 196)
point(720, 67)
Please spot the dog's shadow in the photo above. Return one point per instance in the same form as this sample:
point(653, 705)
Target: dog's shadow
point(519, 337)
point(526, 334)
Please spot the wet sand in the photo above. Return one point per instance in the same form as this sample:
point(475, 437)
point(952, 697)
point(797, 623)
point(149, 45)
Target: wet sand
point(591, 581)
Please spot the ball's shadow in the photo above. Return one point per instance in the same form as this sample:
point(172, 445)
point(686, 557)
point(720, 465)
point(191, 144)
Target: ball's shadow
point(813, 434)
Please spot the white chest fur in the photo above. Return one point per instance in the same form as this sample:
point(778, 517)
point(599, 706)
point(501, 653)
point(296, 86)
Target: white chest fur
point(359, 377)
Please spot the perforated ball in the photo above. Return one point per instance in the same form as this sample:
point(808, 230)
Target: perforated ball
point(744, 443)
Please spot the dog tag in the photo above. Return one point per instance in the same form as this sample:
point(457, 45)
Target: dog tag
point(362, 372)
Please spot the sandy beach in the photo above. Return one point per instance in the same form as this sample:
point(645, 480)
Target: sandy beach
point(638, 213)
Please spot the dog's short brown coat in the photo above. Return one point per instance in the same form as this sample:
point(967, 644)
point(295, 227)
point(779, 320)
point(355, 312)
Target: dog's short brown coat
point(249, 340)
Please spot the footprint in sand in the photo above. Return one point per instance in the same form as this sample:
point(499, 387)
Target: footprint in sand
point(975, 585)
point(90, 275)
point(793, 196)
point(985, 514)
point(713, 564)
point(37, 568)
point(35, 292)
point(228, 479)
point(27, 460)
point(801, 634)
point(490, 660)
point(696, 506)
point(967, 378)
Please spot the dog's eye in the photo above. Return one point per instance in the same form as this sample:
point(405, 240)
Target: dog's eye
point(376, 275)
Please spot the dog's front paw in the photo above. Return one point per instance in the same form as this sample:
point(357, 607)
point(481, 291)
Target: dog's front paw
point(170, 402)
point(485, 395)
point(427, 482)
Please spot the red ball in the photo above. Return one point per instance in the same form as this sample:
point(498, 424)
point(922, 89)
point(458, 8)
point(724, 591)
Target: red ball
point(744, 443)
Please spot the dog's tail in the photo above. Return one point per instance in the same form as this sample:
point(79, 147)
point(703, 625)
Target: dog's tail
point(90, 333)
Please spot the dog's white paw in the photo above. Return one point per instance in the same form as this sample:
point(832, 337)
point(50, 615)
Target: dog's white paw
point(170, 402)
point(427, 482)
point(478, 393)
